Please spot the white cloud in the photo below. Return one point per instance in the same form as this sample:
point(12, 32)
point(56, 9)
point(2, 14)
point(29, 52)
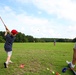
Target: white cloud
point(72, 28)
point(39, 12)
point(6, 8)
point(62, 8)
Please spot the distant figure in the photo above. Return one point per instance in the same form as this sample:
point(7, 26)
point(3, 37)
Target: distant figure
point(54, 42)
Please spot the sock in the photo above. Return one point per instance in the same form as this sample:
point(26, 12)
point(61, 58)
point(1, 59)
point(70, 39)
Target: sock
point(6, 62)
point(72, 65)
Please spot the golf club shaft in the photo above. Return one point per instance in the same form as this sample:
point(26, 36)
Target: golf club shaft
point(3, 22)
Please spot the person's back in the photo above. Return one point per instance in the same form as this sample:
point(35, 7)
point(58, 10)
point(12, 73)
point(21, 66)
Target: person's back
point(9, 42)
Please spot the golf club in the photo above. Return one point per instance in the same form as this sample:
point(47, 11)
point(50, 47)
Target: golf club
point(3, 22)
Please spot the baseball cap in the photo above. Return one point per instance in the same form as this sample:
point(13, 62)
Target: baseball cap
point(14, 32)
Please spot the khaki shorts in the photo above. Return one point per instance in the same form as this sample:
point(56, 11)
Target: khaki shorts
point(75, 46)
point(9, 53)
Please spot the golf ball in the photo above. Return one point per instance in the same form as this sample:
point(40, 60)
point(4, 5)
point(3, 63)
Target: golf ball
point(47, 68)
point(53, 72)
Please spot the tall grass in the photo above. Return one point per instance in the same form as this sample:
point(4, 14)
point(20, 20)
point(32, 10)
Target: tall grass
point(37, 57)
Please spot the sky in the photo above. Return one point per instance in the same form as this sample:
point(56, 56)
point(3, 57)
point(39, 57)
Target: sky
point(40, 18)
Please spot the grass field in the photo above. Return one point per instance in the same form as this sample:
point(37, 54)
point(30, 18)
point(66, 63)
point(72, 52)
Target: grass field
point(37, 57)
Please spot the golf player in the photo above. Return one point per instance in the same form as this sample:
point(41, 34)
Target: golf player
point(73, 62)
point(10, 37)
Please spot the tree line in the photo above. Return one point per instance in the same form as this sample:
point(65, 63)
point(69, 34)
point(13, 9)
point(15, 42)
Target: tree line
point(21, 37)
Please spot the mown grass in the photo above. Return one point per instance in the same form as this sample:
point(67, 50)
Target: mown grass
point(37, 57)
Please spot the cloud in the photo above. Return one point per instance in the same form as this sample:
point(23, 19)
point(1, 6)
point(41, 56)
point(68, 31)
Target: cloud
point(39, 12)
point(27, 24)
point(61, 8)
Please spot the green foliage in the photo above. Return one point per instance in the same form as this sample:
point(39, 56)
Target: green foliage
point(30, 38)
point(1, 39)
point(21, 38)
point(27, 38)
point(74, 40)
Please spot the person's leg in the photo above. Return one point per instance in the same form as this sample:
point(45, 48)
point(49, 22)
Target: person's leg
point(54, 43)
point(74, 57)
point(72, 64)
point(8, 59)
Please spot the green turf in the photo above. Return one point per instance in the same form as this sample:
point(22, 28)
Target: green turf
point(37, 57)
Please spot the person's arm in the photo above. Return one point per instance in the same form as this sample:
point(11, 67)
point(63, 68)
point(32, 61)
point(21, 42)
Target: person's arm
point(7, 30)
point(5, 33)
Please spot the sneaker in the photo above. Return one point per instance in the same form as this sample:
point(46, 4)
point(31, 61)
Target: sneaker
point(68, 62)
point(10, 62)
point(5, 65)
point(70, 66)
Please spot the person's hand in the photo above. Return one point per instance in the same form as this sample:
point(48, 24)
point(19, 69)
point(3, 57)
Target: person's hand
point(6, 27)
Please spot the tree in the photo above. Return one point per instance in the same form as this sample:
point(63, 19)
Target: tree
point(74, 40)
point(30, 38)
point(21, 38)
point(1, 39)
